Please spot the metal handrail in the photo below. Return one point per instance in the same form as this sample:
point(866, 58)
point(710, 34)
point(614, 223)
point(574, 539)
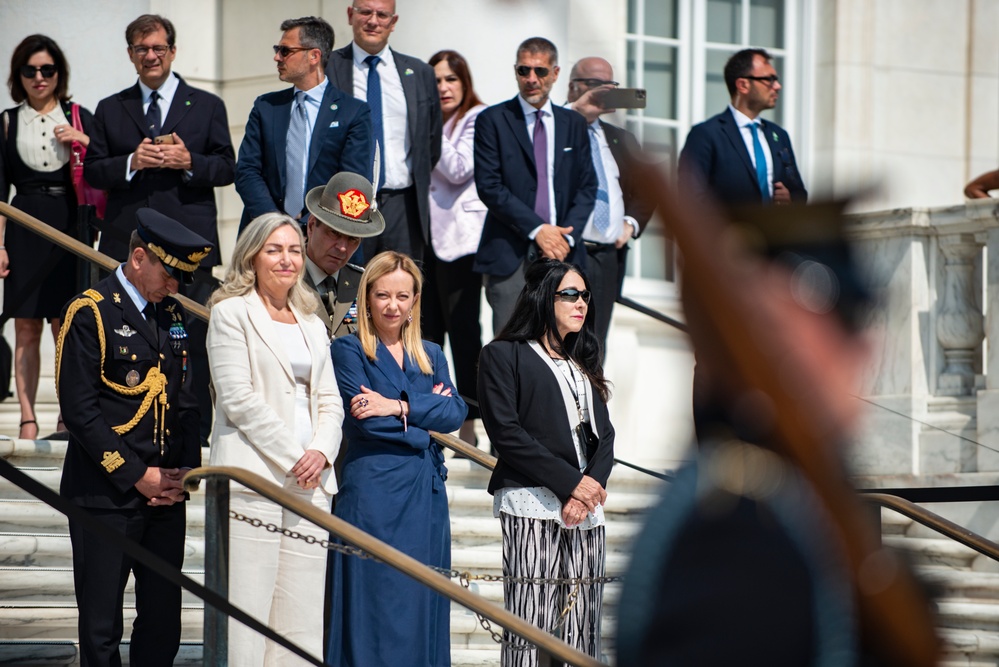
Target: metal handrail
point(546, 643)
point(81, 249)
point(934, 521)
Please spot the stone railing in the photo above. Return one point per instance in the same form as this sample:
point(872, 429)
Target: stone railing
point(938, 288)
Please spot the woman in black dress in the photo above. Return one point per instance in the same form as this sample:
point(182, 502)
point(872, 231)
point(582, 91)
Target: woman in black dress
point(35, 141)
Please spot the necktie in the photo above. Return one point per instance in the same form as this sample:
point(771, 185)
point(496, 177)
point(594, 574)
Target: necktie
point(153, 116)
point(149, 312)
point(298, 128)
point(541, 166)
point(761, 164)
point(601, 209)
point(375, 102)
point(327, 291)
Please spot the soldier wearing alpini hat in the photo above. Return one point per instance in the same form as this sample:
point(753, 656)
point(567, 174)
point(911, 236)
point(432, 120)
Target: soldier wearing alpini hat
point(124, 384)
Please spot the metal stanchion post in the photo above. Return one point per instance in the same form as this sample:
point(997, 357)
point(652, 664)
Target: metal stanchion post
point(216, 638)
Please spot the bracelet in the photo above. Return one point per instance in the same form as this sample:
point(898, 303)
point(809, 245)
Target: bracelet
point(3, 247)
point(402, 416)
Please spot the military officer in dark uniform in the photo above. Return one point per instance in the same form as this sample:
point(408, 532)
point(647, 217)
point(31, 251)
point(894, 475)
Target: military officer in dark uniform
point(124, 384)
point(341, 213)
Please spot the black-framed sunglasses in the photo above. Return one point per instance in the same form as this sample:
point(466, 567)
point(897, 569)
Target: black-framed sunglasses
point(593, 83)
point(29, 72)
point(572, 295)
point(285, 51)
point(525, 71)
point(770, 81)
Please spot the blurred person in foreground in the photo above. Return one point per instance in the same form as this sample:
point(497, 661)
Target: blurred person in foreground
point(35, 150)
point(743, 561)
point(453, 291)
point(544, 406)
point(278, 414)
point(396, 388)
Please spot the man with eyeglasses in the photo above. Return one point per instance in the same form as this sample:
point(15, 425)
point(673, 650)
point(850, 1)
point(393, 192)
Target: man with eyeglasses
point(737, 156)
point(406, 119)
point(540, 195)
point(620, 212)
point(164, 145)
point(298, 138)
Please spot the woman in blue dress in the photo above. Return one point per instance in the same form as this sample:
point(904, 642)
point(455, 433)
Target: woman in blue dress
point(396, 389)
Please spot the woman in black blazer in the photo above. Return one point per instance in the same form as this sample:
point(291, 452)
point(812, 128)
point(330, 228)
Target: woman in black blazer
point(543, 399)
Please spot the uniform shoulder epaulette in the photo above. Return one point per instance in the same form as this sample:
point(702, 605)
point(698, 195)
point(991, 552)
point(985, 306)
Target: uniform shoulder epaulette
point(94, 294)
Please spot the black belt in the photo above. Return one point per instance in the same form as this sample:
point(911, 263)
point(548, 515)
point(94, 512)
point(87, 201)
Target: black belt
point(390, 192)
point(593, 246)
point(50, 190)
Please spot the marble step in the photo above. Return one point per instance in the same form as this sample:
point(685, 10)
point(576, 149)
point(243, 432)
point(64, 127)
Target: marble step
point(968, 615)
point(929, 551)
point(54, 550)
point(55, 584)
point(31, 515)
point(972, 645)
point(58, 621)
point(962, 584)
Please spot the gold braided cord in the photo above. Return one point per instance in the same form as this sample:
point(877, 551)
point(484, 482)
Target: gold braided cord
point(154, 385)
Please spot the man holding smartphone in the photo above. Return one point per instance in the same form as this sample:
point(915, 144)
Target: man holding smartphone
point(164, 145)
point(736, 156)
point(620, 212)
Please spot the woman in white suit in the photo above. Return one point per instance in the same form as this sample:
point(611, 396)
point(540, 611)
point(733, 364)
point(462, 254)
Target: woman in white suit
point(277, 413)
point(453, 291)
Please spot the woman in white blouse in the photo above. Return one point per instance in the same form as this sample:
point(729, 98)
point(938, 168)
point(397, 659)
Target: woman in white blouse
point(544, 405)
point(453, 291)
point(35, 151)
point(277, 413)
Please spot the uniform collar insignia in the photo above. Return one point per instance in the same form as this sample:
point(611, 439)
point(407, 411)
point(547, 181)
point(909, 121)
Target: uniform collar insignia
point(126, 331)
point(116, 297)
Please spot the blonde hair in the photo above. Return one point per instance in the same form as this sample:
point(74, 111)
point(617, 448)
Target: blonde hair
point(240, 277)
point(412, 339)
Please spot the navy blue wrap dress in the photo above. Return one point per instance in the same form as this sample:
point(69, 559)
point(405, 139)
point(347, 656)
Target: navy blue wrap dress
point(392, 487)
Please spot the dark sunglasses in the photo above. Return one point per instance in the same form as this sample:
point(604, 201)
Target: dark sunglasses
point(48, 71)
point(285, 51)
point(593, 83)
point(572, 295)
point(769, 81)
point(525, 71)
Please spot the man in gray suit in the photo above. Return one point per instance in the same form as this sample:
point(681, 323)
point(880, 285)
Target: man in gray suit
point(406, 118)
point(340, 216)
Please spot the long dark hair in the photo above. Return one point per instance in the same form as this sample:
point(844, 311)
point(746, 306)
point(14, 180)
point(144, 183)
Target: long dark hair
point(459, 66)
point(28, 47)
point(534, 319)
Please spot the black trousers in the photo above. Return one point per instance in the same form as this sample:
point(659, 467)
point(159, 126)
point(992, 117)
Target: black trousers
point(605, 270)
point(100, 572)
point(403, 230)
point(197, 340)
point(452, 299)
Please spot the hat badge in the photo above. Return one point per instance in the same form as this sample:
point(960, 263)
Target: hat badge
point(353, 203)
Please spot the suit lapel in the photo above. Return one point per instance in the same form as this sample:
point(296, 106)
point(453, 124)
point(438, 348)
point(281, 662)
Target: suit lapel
point(280, 120)
point(409, 92)
point(343, 64)
point(775, 151)
point(323, 120)
point(131, 102)
point(386, 365)
point(732, 133)
point(518, 127)
point(183, 101)
point(263, 325)
point(131, 316)
point(561, 139)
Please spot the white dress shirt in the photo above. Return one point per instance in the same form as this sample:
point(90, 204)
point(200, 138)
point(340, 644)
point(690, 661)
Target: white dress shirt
point(36, 142)
point(395, 121)
point(744, 121)
point(130, 289)
point(614, 194)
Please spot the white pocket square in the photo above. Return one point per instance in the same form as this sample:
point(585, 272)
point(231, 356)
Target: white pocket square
point(567, 149)
point(335, 123)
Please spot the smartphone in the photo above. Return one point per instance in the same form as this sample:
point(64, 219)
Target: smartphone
point(623, 98)
point(168, 138)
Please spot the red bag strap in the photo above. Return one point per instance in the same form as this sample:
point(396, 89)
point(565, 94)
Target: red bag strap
point(75, 114)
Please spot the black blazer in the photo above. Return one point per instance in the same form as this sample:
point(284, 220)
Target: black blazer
point(199, 119)
point(423, 111)
point(524, 414)
point(506, 179)
point(625, 149)
point(715, 157)
point(102, 467)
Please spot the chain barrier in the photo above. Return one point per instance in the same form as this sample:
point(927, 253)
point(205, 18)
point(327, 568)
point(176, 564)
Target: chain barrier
point(464, 578)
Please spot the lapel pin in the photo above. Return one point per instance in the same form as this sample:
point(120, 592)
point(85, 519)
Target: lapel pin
point(116, 297)
point(333, 107)
point(774, 135)
point(408, 71)
point(187, 103)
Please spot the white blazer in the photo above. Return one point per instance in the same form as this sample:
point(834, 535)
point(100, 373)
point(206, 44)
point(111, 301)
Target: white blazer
point(255, 392)
point(456, 212)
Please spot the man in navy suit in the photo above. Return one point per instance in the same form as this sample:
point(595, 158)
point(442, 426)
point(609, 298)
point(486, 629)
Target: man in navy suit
point(298, 138)
point(736, 156)
point(406, 120)
point(164, 145)
point(532, 212)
